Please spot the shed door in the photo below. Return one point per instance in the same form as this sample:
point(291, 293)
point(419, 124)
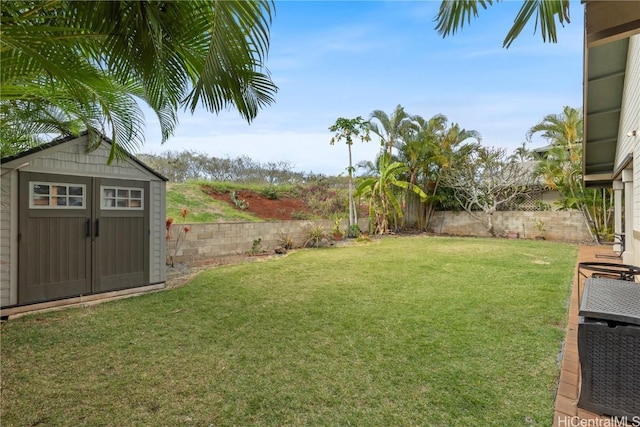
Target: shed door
point(54, 243)
point(121, 236)
point(81, 235)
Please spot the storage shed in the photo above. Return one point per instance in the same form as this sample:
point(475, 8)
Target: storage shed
point(75, 229)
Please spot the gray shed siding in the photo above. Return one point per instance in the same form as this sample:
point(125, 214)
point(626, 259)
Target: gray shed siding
point(157, 222)
point(8, 261)
point(71, 158)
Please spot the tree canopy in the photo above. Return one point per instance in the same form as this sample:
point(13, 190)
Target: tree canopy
point(74, 65)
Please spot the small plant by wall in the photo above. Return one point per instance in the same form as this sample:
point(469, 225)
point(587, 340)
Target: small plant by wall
point(286, 241)
point(176, 234)
point(354, 231)
point(316, 235)
point(336, 233)
point(256, 247)
point(538, 224)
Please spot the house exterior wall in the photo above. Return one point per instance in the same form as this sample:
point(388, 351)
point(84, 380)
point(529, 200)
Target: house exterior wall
point(71, 158)
point(630, 117)
point(630, 121)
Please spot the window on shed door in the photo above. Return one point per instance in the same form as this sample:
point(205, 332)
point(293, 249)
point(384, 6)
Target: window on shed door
point(56, 195)
point(121, 198)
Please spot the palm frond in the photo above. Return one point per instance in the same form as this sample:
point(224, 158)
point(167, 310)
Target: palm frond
point(453, 14)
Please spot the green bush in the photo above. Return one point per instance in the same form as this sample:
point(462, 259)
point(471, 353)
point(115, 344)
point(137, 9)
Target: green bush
point(316, 235)
point(354, 231)
point(286, 241)
point(256, 247)
point(270, 193)
point(301, 215)
point(323, 200)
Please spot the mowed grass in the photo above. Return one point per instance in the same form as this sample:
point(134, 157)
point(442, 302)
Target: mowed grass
point(404, 331)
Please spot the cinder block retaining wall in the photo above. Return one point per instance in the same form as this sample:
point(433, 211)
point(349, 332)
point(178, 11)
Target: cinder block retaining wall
point(231, 238)
point(558, 225)
point(219, 239)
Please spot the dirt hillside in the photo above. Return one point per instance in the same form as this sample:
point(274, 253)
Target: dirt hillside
point(259, 205)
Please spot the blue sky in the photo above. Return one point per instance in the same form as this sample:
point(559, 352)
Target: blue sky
point(335, 59)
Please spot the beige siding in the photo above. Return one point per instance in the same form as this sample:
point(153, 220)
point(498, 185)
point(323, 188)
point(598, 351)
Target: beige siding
point(71, 158)
point(630, 118)
point(157, 244)
point(630, 121)
point(7, 263)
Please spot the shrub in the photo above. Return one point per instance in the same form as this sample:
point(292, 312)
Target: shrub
point(256, 247)
point(354, 231)
point(315, 235)
point(301, 215)
point(286, 241)
point(270, 193)
point(324, 201)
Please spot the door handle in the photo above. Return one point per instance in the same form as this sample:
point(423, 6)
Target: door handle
point(88, 227)
point(97, 227)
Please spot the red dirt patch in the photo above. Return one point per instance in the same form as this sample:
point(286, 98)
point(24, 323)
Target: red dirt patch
point(283, 209)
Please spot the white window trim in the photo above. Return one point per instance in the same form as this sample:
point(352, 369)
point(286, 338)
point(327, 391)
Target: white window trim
point(53, 184)
point(119, 208)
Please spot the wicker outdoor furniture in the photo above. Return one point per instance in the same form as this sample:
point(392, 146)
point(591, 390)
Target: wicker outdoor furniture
point(609, 347)
point(605, 270)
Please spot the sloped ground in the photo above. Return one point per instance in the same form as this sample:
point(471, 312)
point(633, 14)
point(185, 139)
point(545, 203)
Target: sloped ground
point(283, 208)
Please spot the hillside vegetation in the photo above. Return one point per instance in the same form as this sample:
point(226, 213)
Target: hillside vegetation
point(201, 207)
point(208, 201)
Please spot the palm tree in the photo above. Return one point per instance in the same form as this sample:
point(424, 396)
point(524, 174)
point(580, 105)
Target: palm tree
point(380, 190)
point(523, 154)
point(453, 14)
point(561, 167)
point(92, 61)
point(430, 151)
point(415, 153)
point(391, 129)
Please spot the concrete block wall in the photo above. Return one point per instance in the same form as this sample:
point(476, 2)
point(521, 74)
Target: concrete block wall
point(232, 238)
point(557, 225)
point(219, 239)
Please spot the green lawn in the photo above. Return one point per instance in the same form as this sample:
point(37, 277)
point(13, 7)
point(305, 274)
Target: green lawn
point(405, 331)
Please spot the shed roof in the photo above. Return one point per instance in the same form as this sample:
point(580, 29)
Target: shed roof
point(62, 140)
